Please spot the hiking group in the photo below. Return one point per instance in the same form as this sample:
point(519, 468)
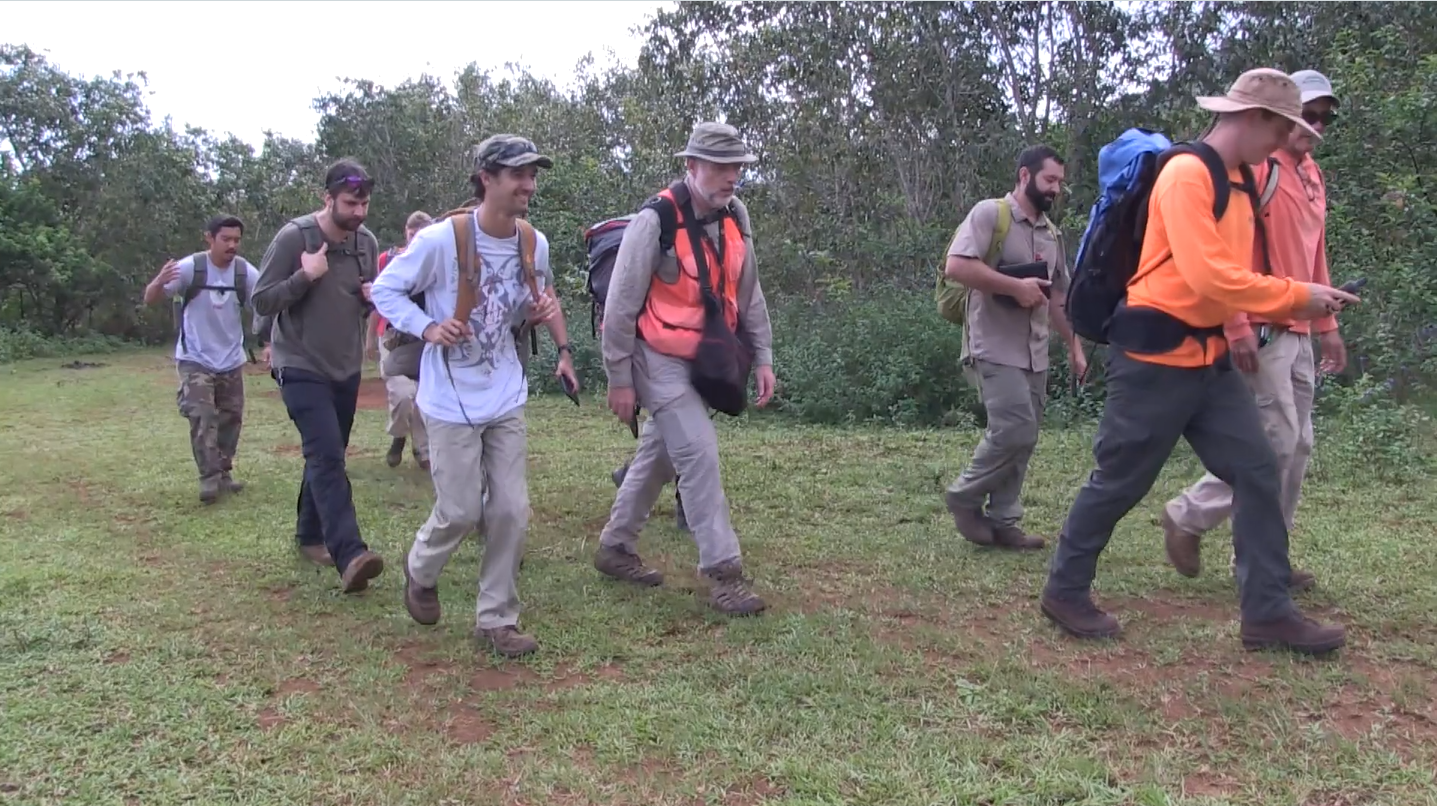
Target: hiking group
point(1204, 276)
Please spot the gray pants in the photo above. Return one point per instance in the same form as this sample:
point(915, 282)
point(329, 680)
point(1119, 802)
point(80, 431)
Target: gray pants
point(1014, 400)
point(677, 438)
point(467, 463)
point(1149, 407)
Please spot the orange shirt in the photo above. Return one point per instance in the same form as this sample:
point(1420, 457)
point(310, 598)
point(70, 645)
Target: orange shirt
point(1198, 269)
point(379, 322)
point(1296, 224)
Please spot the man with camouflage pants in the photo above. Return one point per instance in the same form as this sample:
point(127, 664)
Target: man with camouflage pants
point(209, 351)
point(651, 328)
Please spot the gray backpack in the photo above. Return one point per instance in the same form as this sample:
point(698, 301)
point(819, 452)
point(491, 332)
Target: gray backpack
point(200, 282)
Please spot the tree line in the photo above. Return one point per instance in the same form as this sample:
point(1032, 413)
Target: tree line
point(878, 125)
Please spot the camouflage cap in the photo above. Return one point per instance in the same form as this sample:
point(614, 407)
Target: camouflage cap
point(717, 142)
point(509, 151)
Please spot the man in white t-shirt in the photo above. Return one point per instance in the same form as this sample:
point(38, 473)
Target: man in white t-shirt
point(472, 386)
point(212, 287)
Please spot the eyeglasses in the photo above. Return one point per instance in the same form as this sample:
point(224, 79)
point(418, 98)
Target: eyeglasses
point(1314, 117)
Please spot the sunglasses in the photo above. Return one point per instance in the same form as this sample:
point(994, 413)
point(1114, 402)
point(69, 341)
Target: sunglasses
point(1325, 118)
point(351, 183)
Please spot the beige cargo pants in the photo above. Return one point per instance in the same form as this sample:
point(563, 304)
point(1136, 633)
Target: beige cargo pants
point(677, 439)
point(405, 421)
point(1284, 385)
point(480, 481)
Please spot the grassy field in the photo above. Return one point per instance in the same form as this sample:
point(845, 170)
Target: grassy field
point(156, 652)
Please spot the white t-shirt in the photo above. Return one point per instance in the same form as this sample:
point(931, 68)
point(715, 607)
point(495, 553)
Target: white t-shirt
point(212, 325)
point(482, 379)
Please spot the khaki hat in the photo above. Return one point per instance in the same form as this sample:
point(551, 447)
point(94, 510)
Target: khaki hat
point(1263, 88)
point(717, 142)
point(1314, 85)
point(510, 151)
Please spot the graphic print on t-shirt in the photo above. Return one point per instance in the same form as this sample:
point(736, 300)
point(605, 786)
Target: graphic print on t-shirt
point(500, 293)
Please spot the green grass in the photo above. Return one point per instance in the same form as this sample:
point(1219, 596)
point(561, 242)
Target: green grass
point(156, 652)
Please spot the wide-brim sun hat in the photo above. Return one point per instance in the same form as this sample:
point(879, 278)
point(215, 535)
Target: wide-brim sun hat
point(1263, 88)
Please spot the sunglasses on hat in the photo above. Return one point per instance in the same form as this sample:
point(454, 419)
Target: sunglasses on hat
point(351, 184)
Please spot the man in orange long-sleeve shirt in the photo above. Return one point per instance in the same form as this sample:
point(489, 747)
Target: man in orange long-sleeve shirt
point(1168, 377)
point(1275, 354)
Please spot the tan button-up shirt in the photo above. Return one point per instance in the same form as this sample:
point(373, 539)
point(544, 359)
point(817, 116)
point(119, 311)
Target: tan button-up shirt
point(1000, 333)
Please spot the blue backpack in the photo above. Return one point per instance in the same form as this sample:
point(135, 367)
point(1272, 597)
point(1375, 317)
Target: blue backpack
point(1108, 253)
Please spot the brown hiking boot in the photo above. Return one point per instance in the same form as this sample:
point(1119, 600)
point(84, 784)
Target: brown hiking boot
point(1011, 537)
point(1184, 548)
point(422, 461)
point(421, 602)
point(209, 491)
point(729, 591)
point(970, 522)
point(615, 562)
point(1079, 617)
point(360, 570)
point(229, 485)
point(508, 641)
point(1301, 580)
point(317, 554)
point(1296, 633)
point(396, 452)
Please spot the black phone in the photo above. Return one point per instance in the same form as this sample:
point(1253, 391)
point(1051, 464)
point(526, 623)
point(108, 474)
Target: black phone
point(1353, 286)
point(569, 389)
point(634, 422)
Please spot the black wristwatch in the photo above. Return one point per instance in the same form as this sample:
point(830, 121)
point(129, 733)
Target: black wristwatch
point(564, 348)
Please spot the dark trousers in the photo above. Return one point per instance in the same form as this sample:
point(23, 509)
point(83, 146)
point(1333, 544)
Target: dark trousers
point(323, 411)
point(1149, 407)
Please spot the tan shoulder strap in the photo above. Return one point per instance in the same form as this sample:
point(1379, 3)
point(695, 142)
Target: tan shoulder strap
point(528, 245)
point(467, 295)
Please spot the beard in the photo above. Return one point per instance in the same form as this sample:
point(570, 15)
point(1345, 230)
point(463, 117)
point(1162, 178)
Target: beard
point(1042, 201)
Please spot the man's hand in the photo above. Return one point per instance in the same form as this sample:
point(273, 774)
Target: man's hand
point(168, 273)
point(566, 370)
point(1029, 292)
point(315, 264)
point(447, 333)
point(1078, 361)
point(1323, 301)
point(621, 402)
point(764, 380)
point(264, 356)
point(367, 289)
point(544, 310)
point(1244, 353)
point(1334, 352)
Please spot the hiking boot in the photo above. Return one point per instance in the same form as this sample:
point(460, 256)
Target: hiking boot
point(209, 491)
point(396, 452)
point(1301, 580)
point(970, 522)
point(422, 461)
point(1294, 632)
point(229, 485)
point(625, 566)
point(1184, 548)
point(681, 521)
point(1011, 537)
point(316, 553)
point(508, 641)
point(1079, 617)
point(360, 570)
point(618, 475)
point(729, 591)
point(421, 602)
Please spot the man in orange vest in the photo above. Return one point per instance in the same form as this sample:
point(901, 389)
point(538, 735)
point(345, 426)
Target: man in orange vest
point(653, 320)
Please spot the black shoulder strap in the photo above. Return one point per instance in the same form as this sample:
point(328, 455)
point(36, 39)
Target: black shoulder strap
point(1249, 186)
point(199, 278)
point(1222, 186)
point(668, 212)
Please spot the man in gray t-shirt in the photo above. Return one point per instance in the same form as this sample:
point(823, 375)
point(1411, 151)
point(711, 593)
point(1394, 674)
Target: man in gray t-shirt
point(210, 289)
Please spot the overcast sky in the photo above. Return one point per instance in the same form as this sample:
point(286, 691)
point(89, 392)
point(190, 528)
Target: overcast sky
point(244, 67)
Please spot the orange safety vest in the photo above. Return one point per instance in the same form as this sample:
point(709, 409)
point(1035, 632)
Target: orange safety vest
point(673, 316)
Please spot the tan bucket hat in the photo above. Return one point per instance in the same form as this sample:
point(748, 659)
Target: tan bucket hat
point(719, 143)
point(1263, 88)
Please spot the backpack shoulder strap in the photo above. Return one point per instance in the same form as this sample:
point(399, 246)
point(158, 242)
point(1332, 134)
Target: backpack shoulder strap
point(309, 228)
point(1269, 189)
point(466, 297)
point(198, 279)
point(241, 269)
point(528, 246)
point(1000, 232)
point(1249, 183)
point(668, 212)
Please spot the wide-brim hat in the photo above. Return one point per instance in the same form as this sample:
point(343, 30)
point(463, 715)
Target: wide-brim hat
point(1263, 88)
point(717, 142)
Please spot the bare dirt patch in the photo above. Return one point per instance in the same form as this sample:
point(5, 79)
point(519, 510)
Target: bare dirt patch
point(280, 593)
point(118, 658)
point(422, 671)
point(466, 726)
point(18, 514)
point(501, 679)
point(1166, 606)
point(372, 395)
point(297, 685)
point(565, 678)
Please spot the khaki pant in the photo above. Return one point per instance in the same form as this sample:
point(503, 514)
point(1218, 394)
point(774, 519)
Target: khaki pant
point(1284, 387)
point(677, 439)
point(1014, 399)
point(405, 421)
point(467, 463)
point(213, 402)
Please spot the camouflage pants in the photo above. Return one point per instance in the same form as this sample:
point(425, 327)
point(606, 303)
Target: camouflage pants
point(213, 402)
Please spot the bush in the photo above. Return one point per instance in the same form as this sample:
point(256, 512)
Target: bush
point(22, 344)
point(1364, 425)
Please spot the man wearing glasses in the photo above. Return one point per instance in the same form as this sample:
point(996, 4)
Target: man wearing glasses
point(315, 281)
point(1275, 355)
